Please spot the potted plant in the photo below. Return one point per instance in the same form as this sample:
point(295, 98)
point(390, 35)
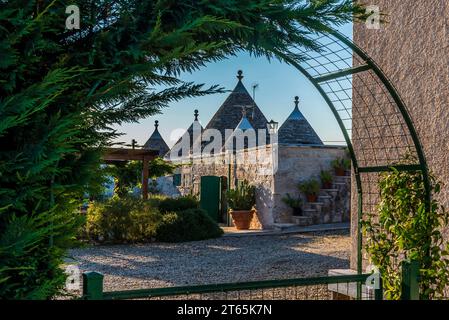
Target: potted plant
point(340, 166)
point(241, 202)
point(310, 188)
point(294, 203)
point(326, 179)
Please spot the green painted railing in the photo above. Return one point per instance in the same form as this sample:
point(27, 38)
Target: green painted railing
point(410, 280)
point(93, 287)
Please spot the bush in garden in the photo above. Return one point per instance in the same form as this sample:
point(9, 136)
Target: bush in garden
point(187, 225)
point(122, 220)
point(133, 220)
point(155, 199)
point(178, 204)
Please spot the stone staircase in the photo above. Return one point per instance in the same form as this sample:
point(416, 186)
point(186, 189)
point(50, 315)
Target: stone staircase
point(333, 205)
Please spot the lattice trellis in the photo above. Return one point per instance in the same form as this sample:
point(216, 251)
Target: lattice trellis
point(373, 118)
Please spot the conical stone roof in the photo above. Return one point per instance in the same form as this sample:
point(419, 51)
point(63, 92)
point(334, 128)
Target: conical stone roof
point(189, 133)
point(243, 126)
point(156, 142)
point(297, 130)
point(229, 115)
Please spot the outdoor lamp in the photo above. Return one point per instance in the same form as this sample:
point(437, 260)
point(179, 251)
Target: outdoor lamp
point(272, 126)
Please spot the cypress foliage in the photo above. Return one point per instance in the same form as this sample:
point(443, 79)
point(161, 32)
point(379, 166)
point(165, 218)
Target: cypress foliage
point(62, 90)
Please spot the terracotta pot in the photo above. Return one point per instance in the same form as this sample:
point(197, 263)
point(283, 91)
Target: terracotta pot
point(242, 218)
point(312, 197)
point(327, 185)
point(340, 172)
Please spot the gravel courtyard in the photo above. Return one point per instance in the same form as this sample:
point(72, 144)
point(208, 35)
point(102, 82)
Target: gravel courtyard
point(226, 259)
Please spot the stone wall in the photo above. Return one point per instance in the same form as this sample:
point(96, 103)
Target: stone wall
point(294, 164)
point(297, 164)
point(413, 51)
point(253, 165)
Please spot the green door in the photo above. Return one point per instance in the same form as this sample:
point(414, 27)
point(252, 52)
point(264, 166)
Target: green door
point(210, 194)
point(177, 179)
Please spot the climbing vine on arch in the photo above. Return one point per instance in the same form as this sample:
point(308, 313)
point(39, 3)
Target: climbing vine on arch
point(404, 229)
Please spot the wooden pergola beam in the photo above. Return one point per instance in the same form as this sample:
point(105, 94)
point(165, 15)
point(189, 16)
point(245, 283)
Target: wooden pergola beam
point(121, 154)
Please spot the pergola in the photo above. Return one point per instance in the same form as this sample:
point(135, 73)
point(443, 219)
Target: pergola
point(113, 155)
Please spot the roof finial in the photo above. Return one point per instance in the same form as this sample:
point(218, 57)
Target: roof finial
point(239, 75)
point(156, 124)
point(196, 114)
point(296, 101)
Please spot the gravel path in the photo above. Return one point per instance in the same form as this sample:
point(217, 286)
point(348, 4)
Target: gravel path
point(219, 260)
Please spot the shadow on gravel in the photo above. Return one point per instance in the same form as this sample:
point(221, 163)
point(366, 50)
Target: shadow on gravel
point(218, 260)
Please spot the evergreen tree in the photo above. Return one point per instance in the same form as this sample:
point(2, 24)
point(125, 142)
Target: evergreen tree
point(62, 90)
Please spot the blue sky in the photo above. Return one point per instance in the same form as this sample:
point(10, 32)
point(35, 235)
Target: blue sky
point(278, 84)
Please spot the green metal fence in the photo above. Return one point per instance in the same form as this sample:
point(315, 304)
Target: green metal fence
point(317, 288)
point(339, 287)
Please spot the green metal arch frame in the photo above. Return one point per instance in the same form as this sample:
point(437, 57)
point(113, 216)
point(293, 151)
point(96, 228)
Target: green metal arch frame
point(422, 167)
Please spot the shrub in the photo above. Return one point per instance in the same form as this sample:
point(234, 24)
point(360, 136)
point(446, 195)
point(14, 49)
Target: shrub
point(187, 225)
point(133, 220)
point(178, 204)
point(310, 187)
point(326, 177)
point(293, 203)
point(122, 220)
point(341, 163)
point(243, 197)
point(155, 199)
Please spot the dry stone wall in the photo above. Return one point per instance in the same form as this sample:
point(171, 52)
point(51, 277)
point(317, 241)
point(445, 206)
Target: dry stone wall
point(294, 164)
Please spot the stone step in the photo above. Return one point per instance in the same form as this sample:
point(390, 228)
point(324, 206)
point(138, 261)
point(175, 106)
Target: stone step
point(316, 206)
point(283, 226)
point(302, 221)
point(337, 218)
point(342, 178)
point(314, 203)
point(330, 190)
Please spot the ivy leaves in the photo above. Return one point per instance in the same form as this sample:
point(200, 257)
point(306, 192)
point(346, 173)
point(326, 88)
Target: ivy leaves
point(403, 229)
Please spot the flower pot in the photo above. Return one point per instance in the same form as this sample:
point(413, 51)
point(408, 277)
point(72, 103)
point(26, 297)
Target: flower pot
point(340, 172)
point(297, 212)
point(312, 197)
point(242, 218)
point(327, 185)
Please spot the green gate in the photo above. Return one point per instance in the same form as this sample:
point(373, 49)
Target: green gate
point(316, 288)
point(210, 196)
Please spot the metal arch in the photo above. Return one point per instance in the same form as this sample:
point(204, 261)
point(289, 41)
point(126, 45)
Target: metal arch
point(401, 105)
point(367, 66)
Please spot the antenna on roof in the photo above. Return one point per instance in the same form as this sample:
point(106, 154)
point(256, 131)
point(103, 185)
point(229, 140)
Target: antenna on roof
point(255, 86)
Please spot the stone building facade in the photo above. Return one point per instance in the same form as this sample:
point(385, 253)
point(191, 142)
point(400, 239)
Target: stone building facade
point(412, 48)
point(295, 164)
